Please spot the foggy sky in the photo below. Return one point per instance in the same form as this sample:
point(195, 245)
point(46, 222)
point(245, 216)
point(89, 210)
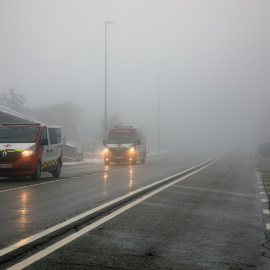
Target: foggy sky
point(210, 60)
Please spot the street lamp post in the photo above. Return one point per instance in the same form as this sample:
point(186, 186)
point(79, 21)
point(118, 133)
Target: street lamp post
point(105, 105)
point(159, 89)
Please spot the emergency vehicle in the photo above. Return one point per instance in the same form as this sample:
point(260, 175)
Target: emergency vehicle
point(125, 144)
point(29, 149)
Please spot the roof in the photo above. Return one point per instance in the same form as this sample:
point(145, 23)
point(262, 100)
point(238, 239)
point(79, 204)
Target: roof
point(69, 105)
point(10, 116)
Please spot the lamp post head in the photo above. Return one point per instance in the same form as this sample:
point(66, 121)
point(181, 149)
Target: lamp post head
point(107, 22)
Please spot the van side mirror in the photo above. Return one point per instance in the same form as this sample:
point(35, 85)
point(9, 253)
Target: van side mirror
point(44, 142)
point(104, 142)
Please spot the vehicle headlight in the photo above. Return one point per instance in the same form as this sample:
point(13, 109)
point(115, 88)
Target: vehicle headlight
point(28, 152)
point(132, 149)
point(106, 150)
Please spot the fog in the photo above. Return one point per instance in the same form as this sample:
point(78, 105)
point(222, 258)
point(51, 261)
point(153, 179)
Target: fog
point(203, 66)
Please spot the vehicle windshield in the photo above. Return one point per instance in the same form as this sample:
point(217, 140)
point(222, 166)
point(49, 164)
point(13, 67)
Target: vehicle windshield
point(121, 138)
point(18, 134)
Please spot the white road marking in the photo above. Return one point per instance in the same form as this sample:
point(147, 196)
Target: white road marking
point(261, 187)
point(92, 226)
point(44, 183)
point(266, 211)
point(262, 193)
point(37, 236)
point(264, 200)
point(268, 226)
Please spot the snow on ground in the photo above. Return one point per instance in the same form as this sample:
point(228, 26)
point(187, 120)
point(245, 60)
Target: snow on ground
point(87, 161)
point(84, 162)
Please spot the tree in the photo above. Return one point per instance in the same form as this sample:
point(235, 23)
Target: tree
point(15, 102)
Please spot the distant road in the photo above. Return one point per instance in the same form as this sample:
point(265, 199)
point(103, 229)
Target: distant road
point(212, 219)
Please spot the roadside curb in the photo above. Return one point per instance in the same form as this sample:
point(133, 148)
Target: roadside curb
point(264, 169)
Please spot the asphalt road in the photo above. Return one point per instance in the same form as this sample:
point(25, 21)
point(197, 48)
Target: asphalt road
point(212, 219)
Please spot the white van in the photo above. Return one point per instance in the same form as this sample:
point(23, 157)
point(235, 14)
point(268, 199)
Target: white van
point(28, 149)
point(125, 144)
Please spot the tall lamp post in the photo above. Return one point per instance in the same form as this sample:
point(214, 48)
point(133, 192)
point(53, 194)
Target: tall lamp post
point(159, 88)
point(105, 105)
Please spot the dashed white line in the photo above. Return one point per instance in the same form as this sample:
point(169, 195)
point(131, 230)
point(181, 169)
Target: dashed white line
point(266, 211)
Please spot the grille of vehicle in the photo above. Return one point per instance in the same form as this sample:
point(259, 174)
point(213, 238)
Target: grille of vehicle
point(10, 156)
point(118, 152)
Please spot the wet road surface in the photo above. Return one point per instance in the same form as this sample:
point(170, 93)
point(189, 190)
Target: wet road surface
point(212, 219)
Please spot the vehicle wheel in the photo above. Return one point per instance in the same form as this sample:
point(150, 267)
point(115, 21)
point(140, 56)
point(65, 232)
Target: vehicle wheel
point(56, 173)
point(36, 175)
point(106, 162)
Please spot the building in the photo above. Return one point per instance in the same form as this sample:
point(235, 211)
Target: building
point(68, 116)
point(65, 115)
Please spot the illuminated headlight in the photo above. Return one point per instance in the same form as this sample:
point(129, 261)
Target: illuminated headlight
point(106, 149)
point(28, 152)
point(131, 149)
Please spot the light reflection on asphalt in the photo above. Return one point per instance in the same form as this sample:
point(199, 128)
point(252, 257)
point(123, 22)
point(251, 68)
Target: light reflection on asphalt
point(130, 178)
point(23, 210)
point(105, 179)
